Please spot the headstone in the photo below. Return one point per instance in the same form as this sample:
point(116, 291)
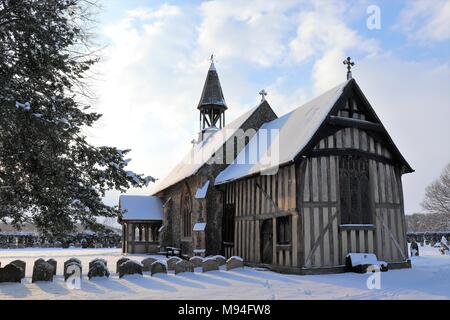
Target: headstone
point(72, 268)
point(119, 262)
point(196, 261)
point(234, 263)
point(98, 260)
point(147, 263)
point(42, 271)
point(183, 266)
point(130, 267)
point(158, 267)
point(21, 265)
point(172, 261)
point(10, 273)
point(54, 263)
point(98, 269)
point(414, 249)
point(210, 264)
point(221, 260)
point(444, 249)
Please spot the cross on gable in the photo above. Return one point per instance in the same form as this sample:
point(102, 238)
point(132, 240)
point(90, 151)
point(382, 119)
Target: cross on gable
point(349, 64)
point(263, 94)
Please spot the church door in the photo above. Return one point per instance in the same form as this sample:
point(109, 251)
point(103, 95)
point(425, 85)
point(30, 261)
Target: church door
point(267, 241)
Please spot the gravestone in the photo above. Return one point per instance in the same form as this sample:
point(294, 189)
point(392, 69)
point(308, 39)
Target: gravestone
point(234, 263)
point(54, 263)
point(171, 262)
point(210, 264)
point(10, 273)
point(21, 265)
point(147, 263)
point(158, 267)
point(98, 260)
point(98, 269)
point(221, 260)
point(42, 271)
point(196, 261)
point(71, 267)
point(130, 267)
point(183, 266)
point(119, 262)
point(414, 249)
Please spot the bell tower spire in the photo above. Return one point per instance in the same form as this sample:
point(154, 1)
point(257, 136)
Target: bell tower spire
point(212, 104)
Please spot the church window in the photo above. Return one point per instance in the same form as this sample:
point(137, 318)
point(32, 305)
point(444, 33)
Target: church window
point(186, 213)
point(283, 230)
point(354, 190)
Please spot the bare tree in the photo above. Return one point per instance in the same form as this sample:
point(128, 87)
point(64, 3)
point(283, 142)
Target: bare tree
point(437, 195)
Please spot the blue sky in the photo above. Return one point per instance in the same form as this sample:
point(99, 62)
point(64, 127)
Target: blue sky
point(156, 58)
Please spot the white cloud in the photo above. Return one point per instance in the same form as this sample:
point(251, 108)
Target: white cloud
point(426, 20)
point(324, 37)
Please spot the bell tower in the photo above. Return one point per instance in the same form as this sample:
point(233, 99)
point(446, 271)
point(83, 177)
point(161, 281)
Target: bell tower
point(212, 104)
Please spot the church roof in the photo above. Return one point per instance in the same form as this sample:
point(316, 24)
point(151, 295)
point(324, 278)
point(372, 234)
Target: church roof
point(212, 91)
point(201, 152)
point(293, 132)
point(141, 208)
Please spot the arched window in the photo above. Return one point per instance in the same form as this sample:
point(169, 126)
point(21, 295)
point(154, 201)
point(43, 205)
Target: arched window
point(186, 213)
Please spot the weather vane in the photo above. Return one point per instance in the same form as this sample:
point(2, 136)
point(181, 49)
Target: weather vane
point(263, 94)
point(211, 58)
point(349, 64)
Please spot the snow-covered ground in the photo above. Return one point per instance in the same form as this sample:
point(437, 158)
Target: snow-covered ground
point(428, 279)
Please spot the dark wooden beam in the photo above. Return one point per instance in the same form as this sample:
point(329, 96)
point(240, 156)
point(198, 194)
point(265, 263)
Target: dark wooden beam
point(346, 151)
point(354, 123)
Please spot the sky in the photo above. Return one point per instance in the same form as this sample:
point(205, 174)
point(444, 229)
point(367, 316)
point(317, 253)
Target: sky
point(155, 59)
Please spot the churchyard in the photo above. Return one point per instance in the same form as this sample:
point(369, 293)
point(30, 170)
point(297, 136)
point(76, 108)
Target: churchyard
point(429, 278)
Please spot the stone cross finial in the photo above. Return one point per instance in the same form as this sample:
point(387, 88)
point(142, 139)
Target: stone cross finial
point(349, 64)
point(263, 94)
point(211, 58)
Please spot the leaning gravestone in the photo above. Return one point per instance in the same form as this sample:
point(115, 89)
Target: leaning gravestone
point(171, 262)
point(42, 271)
point(221, 260)
point(147, 263)
point(130, 267)
point(21, 265)
point(119, 262)
point(10, 273)
point(183, 266)
point(98, 269)
point(196, 261)
point(158, 267)
point(210, 264)
point(54, 263)
point(98, 260)
point(234, 263)
point(72, 268)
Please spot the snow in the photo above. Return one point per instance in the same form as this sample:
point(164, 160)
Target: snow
point(201, 153)
point(364, 258)
point(141, 207)
point(201, 192)
point(199, 226)
point(428, 279)
point(289, 134)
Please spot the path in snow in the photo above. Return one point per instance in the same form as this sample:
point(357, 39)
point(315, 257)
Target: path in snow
point(428, 279)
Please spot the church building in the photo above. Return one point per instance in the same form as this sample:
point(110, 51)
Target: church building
point(294, 193)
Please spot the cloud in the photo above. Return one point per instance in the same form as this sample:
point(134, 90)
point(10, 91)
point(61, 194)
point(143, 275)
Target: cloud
point(324, 38)
point(425, 20)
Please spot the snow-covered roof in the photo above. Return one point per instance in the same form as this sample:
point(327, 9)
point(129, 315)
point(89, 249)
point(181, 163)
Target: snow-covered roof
point(141, 207)
point(292, 132)
point(202, 152)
